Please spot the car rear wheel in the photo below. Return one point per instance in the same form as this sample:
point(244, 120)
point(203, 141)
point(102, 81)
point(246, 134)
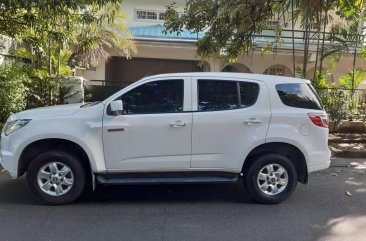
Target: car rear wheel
point(271, 178)
point(56, 177)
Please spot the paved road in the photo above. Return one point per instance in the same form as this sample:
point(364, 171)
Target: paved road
point(318, 211)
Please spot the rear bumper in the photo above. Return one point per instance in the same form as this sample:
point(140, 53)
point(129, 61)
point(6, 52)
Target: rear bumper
point(9, 163)
point(319, 161)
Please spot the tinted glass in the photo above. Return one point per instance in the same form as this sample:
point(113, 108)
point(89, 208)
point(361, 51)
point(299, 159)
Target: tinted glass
point(164, 96)
point(299, 96)
point(248, 94)
point(215, 95)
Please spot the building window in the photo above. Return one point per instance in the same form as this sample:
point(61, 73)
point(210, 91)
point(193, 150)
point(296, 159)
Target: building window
point(141, 14)
point(316, 25)
point(278, 70)
point(272, 24)
point(149, 15)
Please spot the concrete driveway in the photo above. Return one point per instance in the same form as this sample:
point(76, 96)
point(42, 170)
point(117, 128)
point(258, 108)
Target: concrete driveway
point(320, 210)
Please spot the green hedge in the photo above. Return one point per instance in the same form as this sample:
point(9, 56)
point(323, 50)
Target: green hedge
point(13, 90)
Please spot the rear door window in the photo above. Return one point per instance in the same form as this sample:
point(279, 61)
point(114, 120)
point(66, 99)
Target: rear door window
point(248, 94)
point(299, 95)
point(218, 95)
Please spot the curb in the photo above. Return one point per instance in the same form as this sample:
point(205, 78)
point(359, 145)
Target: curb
point(330, 141)
point(347, 162)
point(349, 154)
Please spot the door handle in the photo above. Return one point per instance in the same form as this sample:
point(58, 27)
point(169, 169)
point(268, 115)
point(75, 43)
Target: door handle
point(252, 121)
point(116, 129)
point(178, 123)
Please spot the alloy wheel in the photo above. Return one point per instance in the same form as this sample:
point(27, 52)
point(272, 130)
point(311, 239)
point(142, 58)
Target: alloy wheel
point(55, 179)
point(272, 179)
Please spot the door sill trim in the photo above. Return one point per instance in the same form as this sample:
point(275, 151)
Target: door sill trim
point(152, 178)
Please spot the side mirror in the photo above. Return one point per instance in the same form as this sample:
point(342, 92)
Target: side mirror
point(117, 107)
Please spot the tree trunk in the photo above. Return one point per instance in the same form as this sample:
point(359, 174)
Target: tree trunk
point(358, 39)
point(318, 43)
point(49, 55)
point(354, 66)
point(293, 38)
point(307, 40)
point(323, 40)
point(58, 61)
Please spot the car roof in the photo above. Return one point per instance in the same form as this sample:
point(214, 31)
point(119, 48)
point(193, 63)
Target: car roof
point(269, 80)
point(273, 79)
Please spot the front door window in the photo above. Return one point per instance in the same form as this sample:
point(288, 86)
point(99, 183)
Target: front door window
point(165, 96)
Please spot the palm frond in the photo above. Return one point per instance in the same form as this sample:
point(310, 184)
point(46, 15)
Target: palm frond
point(98, 41)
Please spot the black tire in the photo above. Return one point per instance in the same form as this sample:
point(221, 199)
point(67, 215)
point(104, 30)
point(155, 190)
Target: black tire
point(251, 182)
point(78, 174)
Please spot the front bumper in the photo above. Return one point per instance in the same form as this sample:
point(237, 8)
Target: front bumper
point(9, 163)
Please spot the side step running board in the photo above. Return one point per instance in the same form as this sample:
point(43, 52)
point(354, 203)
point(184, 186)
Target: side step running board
point(166, 178)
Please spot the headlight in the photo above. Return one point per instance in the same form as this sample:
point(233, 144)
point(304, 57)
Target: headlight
point(13, 126)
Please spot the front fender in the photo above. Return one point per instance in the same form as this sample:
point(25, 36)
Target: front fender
point(95, 155)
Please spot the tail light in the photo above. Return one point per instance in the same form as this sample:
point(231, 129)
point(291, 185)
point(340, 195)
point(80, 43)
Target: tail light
point(320, 120)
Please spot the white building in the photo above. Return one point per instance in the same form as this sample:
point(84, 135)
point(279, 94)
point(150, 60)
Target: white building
point(7, 45)
point(158, 53)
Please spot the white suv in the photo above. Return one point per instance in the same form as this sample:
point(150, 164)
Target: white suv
point(174, 128)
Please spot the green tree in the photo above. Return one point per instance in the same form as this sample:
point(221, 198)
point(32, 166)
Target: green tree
point(84, 26)
point(229, 25)
point(12, 90)
point(97, 41)
point(351, 80)
point(18, 15)
point(54, 32)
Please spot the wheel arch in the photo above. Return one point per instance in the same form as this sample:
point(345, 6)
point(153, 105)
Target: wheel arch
point(290, 151)
point(37, 147)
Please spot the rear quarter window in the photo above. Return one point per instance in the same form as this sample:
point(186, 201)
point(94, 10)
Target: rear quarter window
point(299, 95)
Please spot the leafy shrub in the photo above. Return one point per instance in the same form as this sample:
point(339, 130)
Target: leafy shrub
point(320, 80)
point(13, 90)
point(352, 80)
point(22, 88)
point(44, 90)
point(335, 103)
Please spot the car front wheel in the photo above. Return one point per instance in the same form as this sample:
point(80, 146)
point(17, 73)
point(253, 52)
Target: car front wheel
point(271, 178)
point(56, 177)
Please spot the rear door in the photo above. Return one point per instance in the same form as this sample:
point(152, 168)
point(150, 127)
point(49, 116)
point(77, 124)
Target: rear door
point(231, 116)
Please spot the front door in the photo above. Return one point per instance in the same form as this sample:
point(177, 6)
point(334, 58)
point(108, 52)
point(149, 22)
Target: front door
point(154, 132)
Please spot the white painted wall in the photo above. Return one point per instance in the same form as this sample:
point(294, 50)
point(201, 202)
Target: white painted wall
point(6, 43)
point(129, 7)
point(97, 74)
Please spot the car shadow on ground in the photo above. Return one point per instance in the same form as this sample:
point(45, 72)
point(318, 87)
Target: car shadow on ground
point(233, 192)
point(16, 192)
point(323, 210)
